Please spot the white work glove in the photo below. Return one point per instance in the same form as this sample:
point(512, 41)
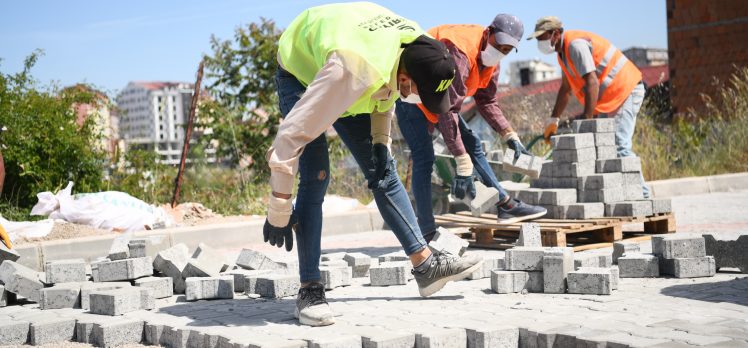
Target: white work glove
point(279, 211)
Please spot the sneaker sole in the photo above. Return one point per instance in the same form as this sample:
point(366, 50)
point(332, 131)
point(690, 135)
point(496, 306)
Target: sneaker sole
point(439, 284)
point(522, 218)
point(312, 322)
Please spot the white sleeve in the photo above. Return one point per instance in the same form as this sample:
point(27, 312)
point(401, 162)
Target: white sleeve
point(333, 90)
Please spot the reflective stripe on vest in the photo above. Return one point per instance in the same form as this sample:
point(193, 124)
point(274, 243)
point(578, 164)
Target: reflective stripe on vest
point(616, 82)
point(467, 39)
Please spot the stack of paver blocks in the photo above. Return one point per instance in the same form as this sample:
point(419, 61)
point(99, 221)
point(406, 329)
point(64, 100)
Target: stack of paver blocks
point(680, 256)
point(586, 180)
point(533, 268)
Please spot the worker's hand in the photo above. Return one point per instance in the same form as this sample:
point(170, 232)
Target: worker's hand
point(513, 142)
point(280, 222)
point(518, 148)
point(462, 185)
point(381, 159)
point(551, 126)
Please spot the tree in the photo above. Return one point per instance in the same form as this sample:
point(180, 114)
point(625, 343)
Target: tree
point(244, 113)
point(43, 146)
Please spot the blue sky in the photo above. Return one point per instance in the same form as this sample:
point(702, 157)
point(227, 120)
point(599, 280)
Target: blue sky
point(108, 43)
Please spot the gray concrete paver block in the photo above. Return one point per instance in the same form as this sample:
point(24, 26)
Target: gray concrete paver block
point(251, 259)
point(62, 295)
point(87, 288)
point(163, 287)
point(127, 269)
point(573, 141)
point(678, 246)
point(20, 280)
point(171, 262)
point(620, 248)
point(529, 235)
point(639, 266)
point(585, 210)
point(629, 208)
point(14, 332)
point(389, 273)
point(507, 282)
point(590, 281)
point(360, 263)
point(596, 125)
point(556, 266)
point(728, 251)
point(524, 258)
point(277, 285)
point(600, 181)
point(447, 241)
point(209, 288)
point(619, 165)
point(51, 330)
point(65, 271)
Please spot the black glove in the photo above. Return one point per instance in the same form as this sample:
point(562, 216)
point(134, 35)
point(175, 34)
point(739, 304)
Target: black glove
point(462, 185)
point(277, 236)
point(518, 148)
point(380, 157)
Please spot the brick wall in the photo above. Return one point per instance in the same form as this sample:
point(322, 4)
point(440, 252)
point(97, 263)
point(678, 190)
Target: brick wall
point(706, 39)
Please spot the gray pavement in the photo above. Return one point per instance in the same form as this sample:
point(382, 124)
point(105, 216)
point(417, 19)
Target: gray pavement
point(660, 312)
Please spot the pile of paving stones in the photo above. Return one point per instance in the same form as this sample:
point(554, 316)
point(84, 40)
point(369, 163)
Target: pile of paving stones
point(529, 267)
point(99, 305)
point(587, 180)
point(682, 256)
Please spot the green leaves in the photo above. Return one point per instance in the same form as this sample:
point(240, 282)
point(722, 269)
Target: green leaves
point(44, 145)
point(244, 114)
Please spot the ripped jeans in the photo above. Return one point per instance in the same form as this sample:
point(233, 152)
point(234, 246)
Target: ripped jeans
point(314, 168)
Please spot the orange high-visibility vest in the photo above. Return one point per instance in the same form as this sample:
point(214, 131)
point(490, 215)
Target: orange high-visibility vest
point(467, 39)
point(617, 75)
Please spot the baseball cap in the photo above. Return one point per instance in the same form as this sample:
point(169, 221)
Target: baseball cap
point(545, 24)
point(432, 68)
point(508, 29)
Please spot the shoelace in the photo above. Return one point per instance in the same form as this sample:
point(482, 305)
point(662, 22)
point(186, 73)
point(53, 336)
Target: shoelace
point(314, 295)
point(441, 266)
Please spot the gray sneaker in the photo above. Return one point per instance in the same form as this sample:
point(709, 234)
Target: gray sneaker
point(312, 308)
point(516, 211)
point(445, 268)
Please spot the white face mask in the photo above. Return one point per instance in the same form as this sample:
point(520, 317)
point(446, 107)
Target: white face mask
point(545, 47)
point(412, 98)
point(491, 56)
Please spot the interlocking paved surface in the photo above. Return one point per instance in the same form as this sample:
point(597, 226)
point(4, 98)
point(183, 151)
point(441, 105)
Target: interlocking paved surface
point(661, 312)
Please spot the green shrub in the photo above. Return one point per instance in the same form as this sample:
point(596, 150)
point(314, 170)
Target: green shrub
point(43, 146)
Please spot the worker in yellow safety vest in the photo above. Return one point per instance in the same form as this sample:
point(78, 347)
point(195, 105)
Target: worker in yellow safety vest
point(345, 65)
point(599, 76)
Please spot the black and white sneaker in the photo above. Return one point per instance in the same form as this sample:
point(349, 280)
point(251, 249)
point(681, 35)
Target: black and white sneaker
point(516, 211)
point(445, 268)
point(312, 308)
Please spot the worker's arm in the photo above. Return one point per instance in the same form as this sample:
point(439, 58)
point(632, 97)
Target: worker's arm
point(488, 107)
point(562, 99)
point(449, 121)
point(591, 90)
point(333, 90)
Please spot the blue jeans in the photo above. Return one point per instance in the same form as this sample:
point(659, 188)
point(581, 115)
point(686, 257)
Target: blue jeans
point(314, 168)
point(414, 127)
point(625, 118)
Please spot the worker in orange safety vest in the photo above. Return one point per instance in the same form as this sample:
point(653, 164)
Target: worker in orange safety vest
point(599, 76)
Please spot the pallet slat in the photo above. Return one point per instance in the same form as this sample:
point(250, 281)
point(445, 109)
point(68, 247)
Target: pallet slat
point(581, 234)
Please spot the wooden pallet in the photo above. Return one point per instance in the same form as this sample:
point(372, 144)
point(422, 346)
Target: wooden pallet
point(484, 232)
